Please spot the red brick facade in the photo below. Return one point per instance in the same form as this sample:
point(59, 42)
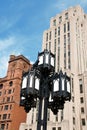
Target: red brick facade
point(11, 114)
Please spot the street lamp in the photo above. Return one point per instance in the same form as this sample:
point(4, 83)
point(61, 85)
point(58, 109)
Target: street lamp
point(42, 83)
point(46, 59)
point(33, 83)
point(61, 86)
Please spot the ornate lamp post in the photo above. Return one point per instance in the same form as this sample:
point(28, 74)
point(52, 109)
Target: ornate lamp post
point(52, 89)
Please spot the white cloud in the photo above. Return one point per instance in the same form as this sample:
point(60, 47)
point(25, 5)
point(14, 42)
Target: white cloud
point(3, 65)
point(7, 47)
point(60, 6)
point(7, 42)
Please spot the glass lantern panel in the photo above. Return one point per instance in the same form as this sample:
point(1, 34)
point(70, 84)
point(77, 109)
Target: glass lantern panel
point(68, 86)
point(52, 61)
point(37, 83)
point(47, 58)
point(31, 81)
point(56, 85)
point(63, 84)
point(40, 60)
point(50, 98)
point(22, 98)
point(24, 82)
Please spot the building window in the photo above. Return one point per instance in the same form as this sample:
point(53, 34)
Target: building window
point(58, 41)
point(73, 109)
point(2, 126)
point(55, 49)
point(64, 40)
point(81, 100)
point(66, 16)
point(4, 116)
point(72, 99)
point(6, 107)
point(58, 31)
point(81, 88)
point(61, 115)
point(58, 53)
point(64, 28)
point(0, 117)
point(56, 117)
point(8, 99)
point(83, 122)
point(49, 45)
point(55, 32)
point(1, 86)
point(64, 51)
point(82, 109)
point(68, 35)
point(54, 128)
point(54, 22)
point(58, 58)
point(68, 26)
point(10, 83)
point(46, 36)
point(69, 65)
point(80, 85)
point(50, 36)
point(59, 128)
point(74, 120)
point(0, 93)
point(9, 91)
point(69, 60)
point(60, 19)
point(55, 46)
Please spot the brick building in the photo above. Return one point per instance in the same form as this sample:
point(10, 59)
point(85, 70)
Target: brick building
point(11, 114)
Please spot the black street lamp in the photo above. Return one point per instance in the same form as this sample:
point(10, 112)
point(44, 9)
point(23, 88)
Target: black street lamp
point(41, 82)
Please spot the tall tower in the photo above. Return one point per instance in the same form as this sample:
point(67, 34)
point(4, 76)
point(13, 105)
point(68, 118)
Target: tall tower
point(11, 114)
point(67, 39)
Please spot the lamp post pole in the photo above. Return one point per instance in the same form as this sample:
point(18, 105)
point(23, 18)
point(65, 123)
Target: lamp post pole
point(39, 83)
point(43, 101)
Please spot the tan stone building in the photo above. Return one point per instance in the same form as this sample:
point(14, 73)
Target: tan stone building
point(11, 114)
point(67, 39)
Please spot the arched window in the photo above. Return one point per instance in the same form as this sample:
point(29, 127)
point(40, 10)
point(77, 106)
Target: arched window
point(10, 83)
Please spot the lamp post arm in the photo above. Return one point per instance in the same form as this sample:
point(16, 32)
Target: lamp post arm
point(35, 65)
point(54, 76)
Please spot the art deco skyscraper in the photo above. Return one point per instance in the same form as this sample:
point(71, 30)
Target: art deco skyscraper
point(67, 39)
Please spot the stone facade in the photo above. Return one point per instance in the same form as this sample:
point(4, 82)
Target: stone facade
point(67, 39)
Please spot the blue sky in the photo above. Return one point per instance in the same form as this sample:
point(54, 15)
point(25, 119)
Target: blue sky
point(22, 23)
